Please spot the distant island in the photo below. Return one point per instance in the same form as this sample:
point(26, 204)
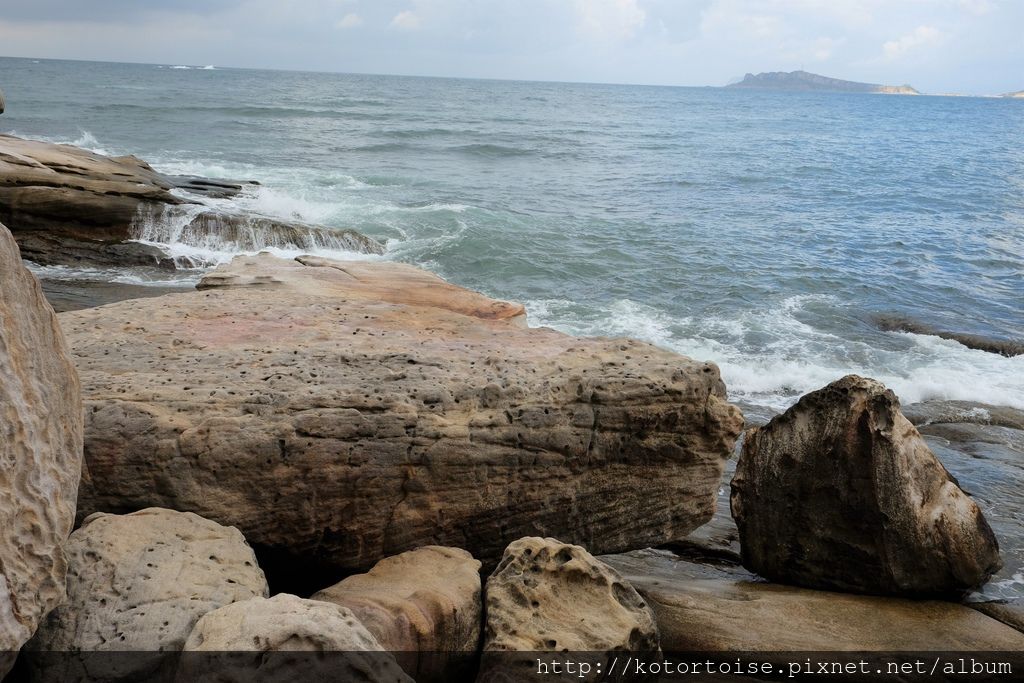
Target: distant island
point(806, 81)
point(1019, 93)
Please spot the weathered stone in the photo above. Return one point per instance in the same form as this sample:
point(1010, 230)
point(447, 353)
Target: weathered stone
point(344, 412)
point(67, 205)
point(140, 582)
point(285, 624)
point(423, 605)
point(841, 492)
point(40, 452)
point(551, 596)
point(720, 607)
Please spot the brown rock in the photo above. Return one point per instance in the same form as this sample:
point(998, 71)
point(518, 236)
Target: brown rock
point(705, 607)
point(344, 412)
point(276, 632)
point(423, 605)
point(40, 452)
point(140, 582)
point(551, 596)
point(841, 492)
point(67, 205)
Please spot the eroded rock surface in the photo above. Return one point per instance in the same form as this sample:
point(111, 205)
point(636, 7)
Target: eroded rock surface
point(842, 492)
point(703, 606)
point(552, 596)
point(40, 452)
point(276, 631)
point(424, 605)
point(139, 582)
point(67, 205)
point(344, 412)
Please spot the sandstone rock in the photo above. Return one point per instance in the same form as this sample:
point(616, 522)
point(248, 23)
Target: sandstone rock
point(423, 605)
point(140, 582)
point(285, 624)
point(841, 492)
point(547, 595)
point(40, 452)
point(344, 412)
point(67, 205)
point(720, 607)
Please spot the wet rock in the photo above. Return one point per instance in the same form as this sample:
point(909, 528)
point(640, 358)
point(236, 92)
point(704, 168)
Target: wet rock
point(1003, 347)
point(423, 605)
point(963, 412)
point(140, 582)
point(74, 295)
point(262, 639)
point(69, 206)
point(841, 492)
point(344, 412)
point(720, 607)
point(40, 452)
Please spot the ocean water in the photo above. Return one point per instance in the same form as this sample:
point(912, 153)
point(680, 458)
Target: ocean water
point(763, 231)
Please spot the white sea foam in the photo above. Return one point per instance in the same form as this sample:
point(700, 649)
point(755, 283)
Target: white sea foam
point(791, 358)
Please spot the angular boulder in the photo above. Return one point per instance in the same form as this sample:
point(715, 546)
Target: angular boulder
point(140, 582)
point(67, 205)
point(841, 492)
point(262, 639)
point(344, 412)
point(40, 452)
point(552, 596)
point(424, 605)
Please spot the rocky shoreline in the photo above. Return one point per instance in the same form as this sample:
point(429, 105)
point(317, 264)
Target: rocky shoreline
point(360, 458)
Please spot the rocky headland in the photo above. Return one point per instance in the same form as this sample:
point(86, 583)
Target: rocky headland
point(804, 81)
point(363, 461)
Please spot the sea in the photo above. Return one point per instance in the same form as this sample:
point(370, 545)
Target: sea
point(764, 231)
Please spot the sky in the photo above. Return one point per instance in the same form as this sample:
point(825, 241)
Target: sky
point(938, 46)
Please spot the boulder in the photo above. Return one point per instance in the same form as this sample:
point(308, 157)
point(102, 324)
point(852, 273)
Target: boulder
point(140, 582)
point(261, 639)
point(703, 606)
point(339, 413)
point(841, 492)
point(551, 596)
point(424, 605)
point(40, 452)
point(68, 206)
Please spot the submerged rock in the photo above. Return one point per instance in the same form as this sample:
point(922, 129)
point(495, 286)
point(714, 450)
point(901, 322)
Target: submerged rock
point(40, 452)
point(703, 606)
point(262, 639)
point(841, 492)
point(344, 412)
point(140, 582)
point(423, 605)
point(68, 206)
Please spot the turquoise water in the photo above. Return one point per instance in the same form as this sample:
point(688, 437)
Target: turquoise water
point(759, 230)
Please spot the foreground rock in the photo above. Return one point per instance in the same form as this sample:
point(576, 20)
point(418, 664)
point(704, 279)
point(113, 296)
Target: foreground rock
point(841, 492)
point(344, 412)
point(241, 641)
point(40, 452)
point(66, 206)
point(424, 605)
point(140, 582)
point(720, 607)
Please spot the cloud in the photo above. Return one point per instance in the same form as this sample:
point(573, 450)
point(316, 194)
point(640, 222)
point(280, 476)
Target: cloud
point(921, 36)
point(406, 21)
point(614, 20)
point(350, 20)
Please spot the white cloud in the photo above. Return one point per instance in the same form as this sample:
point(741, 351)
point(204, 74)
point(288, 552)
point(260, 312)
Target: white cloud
point(406, 21)
point(614, 20)
point(350, 20)
point(922, 36)
point(978, 7)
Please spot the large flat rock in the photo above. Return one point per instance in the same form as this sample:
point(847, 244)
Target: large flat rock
point(344, 412)
point(40, 452)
